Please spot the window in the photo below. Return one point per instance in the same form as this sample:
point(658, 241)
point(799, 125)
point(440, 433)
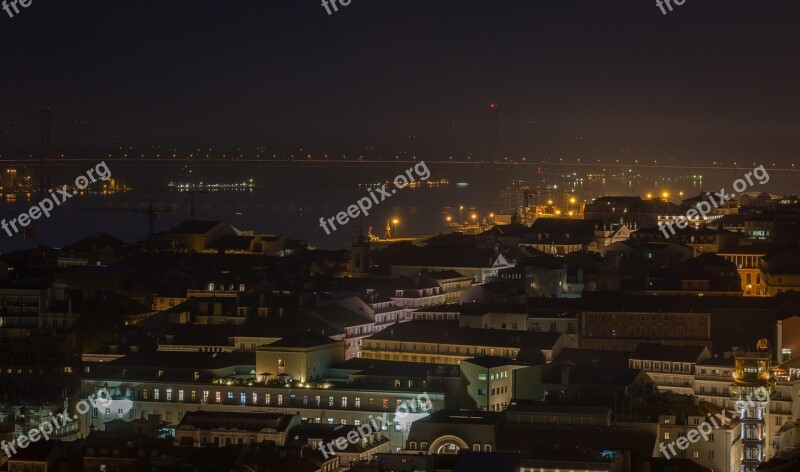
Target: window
point(230, 395)
point(218, 396)
point(358, 402)
point(317, 399)
point(169, 394)
point(180, 395)
point(344, 402)
point(255, 399)
point(268, 398)
point(194, 396)
point(145, 394)
point(330, 401)
point(666, 435)
point(156, 394)
point(280, 400)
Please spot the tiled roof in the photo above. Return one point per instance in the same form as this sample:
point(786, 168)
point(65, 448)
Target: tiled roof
point(448, 332)
point(658, 352)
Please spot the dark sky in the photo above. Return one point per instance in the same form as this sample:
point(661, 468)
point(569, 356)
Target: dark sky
point(714, 79)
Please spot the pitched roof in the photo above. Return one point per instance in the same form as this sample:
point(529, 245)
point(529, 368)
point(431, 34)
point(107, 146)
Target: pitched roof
point(439, 256)
point(449, 332)
point(658, 352)
point(239, 420)
point(302, 340)
point(195, 227)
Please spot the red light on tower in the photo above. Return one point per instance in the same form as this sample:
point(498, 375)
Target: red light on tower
point(492, 106)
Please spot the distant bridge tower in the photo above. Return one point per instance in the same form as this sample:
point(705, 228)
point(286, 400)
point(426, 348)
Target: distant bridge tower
point(46, 134)
point(493, 157)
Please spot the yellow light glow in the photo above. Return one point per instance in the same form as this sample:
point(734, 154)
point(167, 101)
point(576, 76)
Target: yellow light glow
point(395, 221)
point(665, 195)
point(649, 195)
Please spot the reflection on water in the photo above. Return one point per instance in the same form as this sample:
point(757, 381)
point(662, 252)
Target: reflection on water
point(291, 201)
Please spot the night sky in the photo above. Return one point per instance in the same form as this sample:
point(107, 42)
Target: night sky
point(714, 79)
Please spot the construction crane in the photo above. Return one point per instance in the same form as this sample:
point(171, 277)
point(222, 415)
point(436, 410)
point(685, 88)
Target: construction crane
point(152, 215)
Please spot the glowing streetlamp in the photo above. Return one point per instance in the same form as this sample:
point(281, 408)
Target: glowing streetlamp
point(395, 221)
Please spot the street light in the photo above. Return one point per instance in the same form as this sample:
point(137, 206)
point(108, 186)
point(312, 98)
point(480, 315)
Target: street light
point(395, 221)
point(461, 214)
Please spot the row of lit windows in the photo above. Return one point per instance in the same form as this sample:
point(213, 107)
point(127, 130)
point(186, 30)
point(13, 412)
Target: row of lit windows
point(317, 400)
point(441, 348)
point(613, 332)
point(496, 376)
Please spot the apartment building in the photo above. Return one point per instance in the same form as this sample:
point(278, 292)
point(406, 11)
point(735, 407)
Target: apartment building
point(172, 384)
point(445, 342)
point(671, 367)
